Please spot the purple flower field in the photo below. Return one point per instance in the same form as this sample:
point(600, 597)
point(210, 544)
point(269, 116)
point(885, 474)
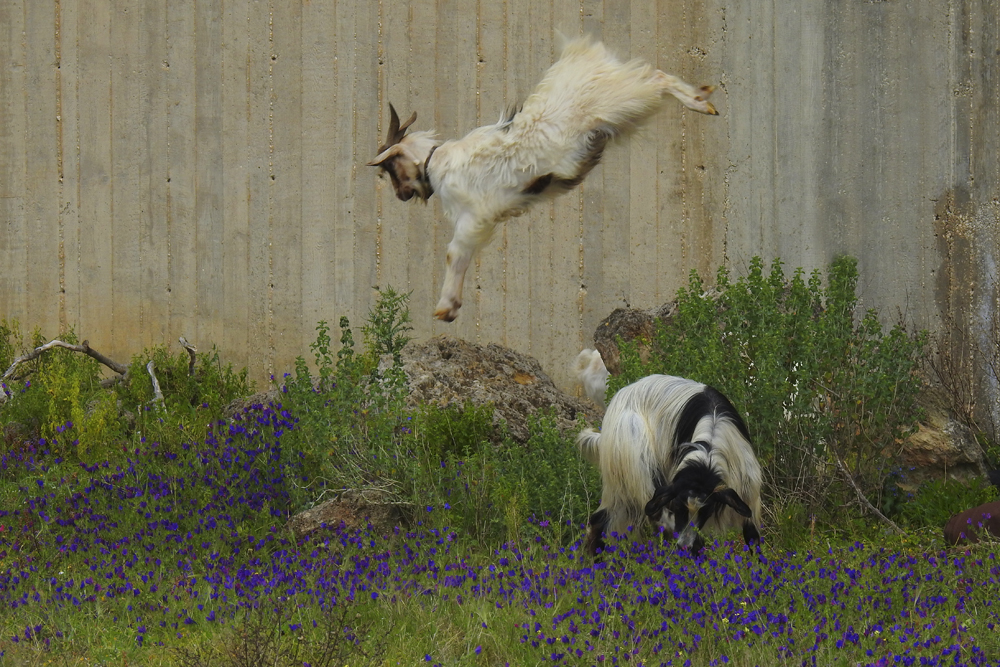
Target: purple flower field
point(165, 549)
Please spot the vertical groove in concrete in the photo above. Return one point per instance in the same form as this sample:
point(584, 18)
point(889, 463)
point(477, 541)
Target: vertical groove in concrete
point(198, 168)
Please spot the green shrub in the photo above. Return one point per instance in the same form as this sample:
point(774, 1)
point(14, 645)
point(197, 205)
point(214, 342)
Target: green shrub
point(454, 431)
point(191, 401)
point(353, 424)
point(935, 501)
point(50, 398)
point(547, 478)
point(490, 490)
point(10, 343)
point(820, 389)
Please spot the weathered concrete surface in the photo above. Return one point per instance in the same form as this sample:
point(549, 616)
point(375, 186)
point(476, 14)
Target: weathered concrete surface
point(197, 168)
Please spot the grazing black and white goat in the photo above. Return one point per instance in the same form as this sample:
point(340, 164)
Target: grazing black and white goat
point(547, 147)
point(589, 368)
point(678, 452)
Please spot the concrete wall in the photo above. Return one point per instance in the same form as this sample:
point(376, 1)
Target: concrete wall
point(196, 168)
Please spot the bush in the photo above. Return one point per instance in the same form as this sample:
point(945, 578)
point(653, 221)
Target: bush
point(59, 397)
point(191, 400)
point(10, 343)
point(449, 465)
point(352, 422)
point(50, 398)
point(492, 491)
point(823, 393)
point(934, 501)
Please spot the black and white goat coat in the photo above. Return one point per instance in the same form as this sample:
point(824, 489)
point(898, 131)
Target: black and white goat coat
point(677, 452)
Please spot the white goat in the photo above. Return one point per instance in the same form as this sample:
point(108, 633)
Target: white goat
point(677, 451)
point(547, 147)
point(589, 368)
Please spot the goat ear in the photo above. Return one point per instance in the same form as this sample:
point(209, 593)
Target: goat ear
point(733, 499)
point(663, 496)
point(385, 155)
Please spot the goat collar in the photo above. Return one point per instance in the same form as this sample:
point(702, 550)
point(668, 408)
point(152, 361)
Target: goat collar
point(425, 174)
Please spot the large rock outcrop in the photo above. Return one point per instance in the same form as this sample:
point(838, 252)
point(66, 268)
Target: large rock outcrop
point(447, 371)
point(629, 324)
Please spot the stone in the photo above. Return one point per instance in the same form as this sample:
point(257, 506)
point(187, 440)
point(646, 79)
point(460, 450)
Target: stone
point(941, 445)
point(447, 371)
point(629, 324)
point(352, 510)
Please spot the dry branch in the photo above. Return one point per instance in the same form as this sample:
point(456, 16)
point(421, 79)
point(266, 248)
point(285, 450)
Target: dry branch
point(157, 394)
point(84, 347)
point(191, 350)
point(861, 496)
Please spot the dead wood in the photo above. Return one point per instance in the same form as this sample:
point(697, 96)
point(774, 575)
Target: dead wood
point(192, 351)
point(157, 394)
point(83, 347)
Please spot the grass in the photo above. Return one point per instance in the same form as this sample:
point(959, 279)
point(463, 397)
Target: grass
point(168, 556)
point(163, 541)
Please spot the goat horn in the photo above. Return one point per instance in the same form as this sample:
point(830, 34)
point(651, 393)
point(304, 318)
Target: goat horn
point(402, 128)
point(396, 131)
point(390, 138)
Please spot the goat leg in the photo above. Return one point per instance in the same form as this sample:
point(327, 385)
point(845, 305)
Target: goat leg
point(451, 293)
point(693, 98)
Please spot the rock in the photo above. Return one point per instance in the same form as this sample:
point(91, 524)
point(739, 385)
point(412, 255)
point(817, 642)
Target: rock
point(257, 400)
point(629, 324)
point(942, 444)
point(966, 526)
point(447, 371)
point(353, 510)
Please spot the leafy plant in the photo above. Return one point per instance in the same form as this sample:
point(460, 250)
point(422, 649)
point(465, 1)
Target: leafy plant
point(934, 501)
point(455, 431)
point(51, 397)
point(547, 479)
point(191, 400)
point(353, 420)
point(825, 394)
point(10, 343)
point(387, 325)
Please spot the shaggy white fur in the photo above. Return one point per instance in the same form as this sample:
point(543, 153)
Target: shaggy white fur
point(590, 370)
point(547, 147)
point(639, 450)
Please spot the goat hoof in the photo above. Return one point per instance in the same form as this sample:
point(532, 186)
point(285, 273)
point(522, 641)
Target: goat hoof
point(446, 314)
point(447, 310)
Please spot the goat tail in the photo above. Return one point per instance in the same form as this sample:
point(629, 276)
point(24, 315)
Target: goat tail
point(590, 370)
point(589, 444)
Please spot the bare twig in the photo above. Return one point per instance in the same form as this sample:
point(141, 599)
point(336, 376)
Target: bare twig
point(192, 351)
point(84, 347)
point(157, 394)
point(861, 496)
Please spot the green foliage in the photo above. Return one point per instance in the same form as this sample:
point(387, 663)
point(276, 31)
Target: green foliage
point(263, 637)
point(388, 323)
point(493, 490)
point(455, 431)
point(352, 421)
point(101, 427)
point(59, 397)
point(51, 398)
point(10, 343)
point(191, 401)
point(819, 390)
point(548, 479)
point(935, 501)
